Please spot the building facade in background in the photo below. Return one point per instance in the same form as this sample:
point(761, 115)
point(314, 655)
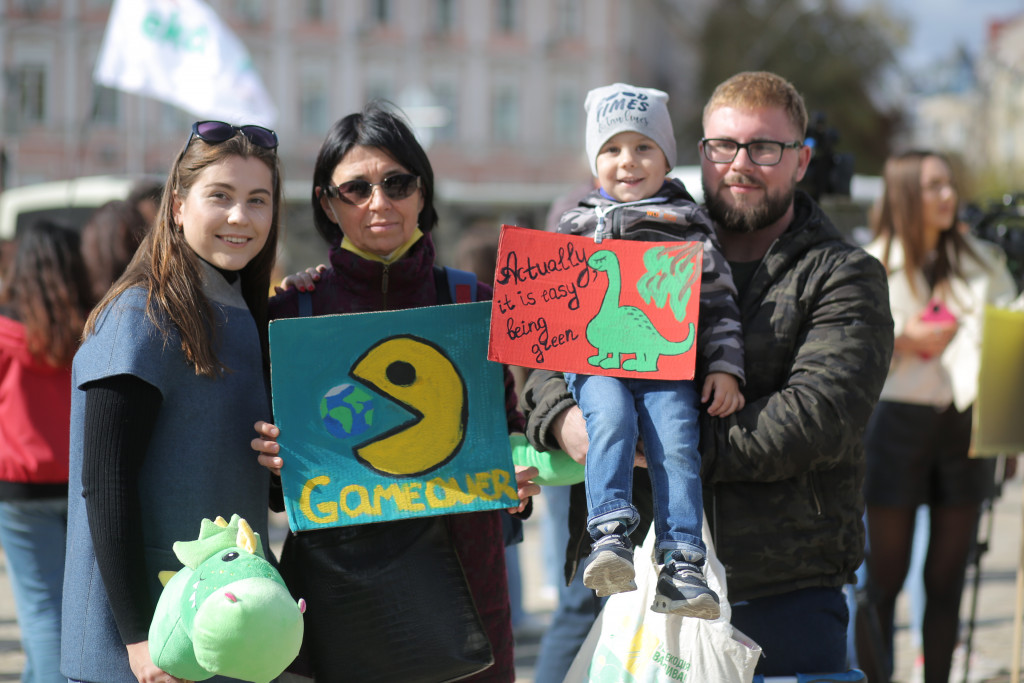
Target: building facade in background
point(1002, 91)
point(495, 88)
point(973, 107)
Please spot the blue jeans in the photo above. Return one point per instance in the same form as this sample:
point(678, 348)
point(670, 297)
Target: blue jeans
point(664, 413)
point(33, 534)
point(799, 632)
point(577, 607)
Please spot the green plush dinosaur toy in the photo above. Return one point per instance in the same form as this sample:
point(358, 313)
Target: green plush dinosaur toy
point(227, 612)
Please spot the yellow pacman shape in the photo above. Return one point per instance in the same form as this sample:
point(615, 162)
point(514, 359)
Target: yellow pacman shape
point(417, 375)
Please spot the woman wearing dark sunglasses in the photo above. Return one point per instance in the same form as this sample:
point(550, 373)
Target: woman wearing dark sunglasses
point(373, 191)
point(178, 343)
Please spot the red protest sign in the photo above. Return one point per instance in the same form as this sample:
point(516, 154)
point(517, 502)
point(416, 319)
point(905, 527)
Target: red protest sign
point(618, 307)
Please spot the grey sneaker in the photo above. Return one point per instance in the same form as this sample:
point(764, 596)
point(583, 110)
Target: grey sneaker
point(682, 589)
point(610, 569)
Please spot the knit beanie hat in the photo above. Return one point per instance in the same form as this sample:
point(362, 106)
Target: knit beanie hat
point(612, 109)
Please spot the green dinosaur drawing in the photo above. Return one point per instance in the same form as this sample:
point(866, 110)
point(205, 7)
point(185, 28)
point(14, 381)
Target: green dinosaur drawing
point(617, 330)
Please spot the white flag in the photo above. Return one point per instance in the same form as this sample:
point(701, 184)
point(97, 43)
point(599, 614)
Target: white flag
point(179, 51)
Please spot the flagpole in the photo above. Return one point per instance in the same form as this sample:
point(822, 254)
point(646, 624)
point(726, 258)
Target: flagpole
point(142, 139)
point(132, 166)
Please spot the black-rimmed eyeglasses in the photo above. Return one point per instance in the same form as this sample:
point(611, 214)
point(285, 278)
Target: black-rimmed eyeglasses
point(395, 188)
point(215, 132)
point(761, 152)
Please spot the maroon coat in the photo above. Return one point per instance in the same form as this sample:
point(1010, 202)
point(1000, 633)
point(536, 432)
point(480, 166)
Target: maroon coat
point(356, 285)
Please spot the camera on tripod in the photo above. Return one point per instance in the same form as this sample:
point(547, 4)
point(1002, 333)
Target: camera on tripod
point(829, 172)
point(1003, 223)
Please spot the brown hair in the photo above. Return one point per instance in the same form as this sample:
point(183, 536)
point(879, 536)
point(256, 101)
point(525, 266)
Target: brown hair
point(46, 289)
point(109, 240)
point(168, 269)
point(898, 215)
point(759, 90)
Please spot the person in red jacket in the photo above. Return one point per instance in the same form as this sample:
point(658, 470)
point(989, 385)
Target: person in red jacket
point(44, 301)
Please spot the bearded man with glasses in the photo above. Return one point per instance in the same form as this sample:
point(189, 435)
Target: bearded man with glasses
point(782, 476)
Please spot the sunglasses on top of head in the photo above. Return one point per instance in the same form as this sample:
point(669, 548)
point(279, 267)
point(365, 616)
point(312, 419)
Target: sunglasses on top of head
point(395, 187)
point(215, 132)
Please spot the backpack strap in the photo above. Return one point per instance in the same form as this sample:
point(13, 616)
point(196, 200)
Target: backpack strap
point(454, 286)
point(305, 304)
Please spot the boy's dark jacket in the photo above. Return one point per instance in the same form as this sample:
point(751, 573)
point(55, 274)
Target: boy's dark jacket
point(783, 476)
point(676, 219)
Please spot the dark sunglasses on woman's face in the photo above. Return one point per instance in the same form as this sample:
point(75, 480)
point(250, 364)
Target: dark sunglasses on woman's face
point(395, 187)
point(215, 132)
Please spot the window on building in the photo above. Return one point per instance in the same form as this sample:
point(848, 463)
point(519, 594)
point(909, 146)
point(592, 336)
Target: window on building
point(34, 6)
point(175, 121)
point(105, 105)
point(251, 11)
point(313, 104)
point(508, 16)
point(445, 16)
point(447, 98)
point(568, 117)
point(316, 11)
point(569, 17)
point(30, 93)
point(380, 89)
point(505, 116)
point(380, 11)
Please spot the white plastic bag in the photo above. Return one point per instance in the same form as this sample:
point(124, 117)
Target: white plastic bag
point(631, 644)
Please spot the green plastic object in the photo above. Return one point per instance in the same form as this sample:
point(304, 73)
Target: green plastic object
point(556, 468)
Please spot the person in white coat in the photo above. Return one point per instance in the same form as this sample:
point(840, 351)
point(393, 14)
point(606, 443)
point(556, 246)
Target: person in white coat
point(917, 441)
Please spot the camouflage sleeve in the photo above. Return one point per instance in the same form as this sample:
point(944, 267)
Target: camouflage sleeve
point(545, 397)
point(720, 334)
point(817, 417)
point(579, 220)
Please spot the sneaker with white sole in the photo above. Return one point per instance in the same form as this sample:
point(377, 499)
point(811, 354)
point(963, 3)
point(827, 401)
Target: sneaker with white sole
point(611, 569)
point(683, 590)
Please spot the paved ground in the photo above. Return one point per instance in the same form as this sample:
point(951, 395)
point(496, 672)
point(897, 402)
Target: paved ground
point(993, 636)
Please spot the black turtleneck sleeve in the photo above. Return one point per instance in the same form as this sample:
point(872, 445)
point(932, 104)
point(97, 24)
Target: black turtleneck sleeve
point(120, 416)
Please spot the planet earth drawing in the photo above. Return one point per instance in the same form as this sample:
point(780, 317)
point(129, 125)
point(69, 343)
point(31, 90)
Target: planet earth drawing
point(347, 410)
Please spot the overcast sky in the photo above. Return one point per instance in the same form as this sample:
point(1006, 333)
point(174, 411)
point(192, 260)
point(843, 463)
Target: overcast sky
point(938, 26)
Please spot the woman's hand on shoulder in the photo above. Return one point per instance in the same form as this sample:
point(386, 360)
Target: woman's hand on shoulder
point(266, 445)
point(143, 667)
point(304, 280)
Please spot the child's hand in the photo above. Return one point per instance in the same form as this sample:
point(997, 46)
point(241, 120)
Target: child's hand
point(726, 391)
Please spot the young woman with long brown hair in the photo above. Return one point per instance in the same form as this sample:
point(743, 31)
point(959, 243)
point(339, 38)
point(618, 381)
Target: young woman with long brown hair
point(940, 279)
point(178, 343)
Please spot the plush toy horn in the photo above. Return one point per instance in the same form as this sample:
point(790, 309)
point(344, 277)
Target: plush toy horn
point(245, 539)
